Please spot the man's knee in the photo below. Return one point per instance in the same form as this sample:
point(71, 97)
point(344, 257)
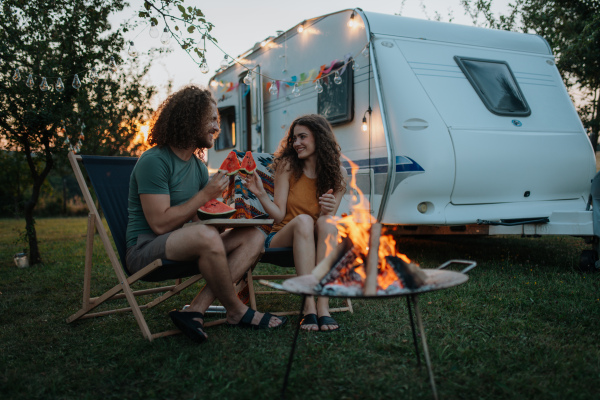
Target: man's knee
point(207, 238)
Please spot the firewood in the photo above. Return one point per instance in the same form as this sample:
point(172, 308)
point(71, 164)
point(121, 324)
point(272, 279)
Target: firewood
point(332, 258)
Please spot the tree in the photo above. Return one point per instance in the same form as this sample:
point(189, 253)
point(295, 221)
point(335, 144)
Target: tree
point(67, 39)
point(572, 28)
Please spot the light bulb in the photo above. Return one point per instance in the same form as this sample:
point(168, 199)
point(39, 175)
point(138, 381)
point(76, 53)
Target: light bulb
point(300, 28)
point(76, 82)
point(30, 82)
point(60, 86)
point(214, 84)
point(44, 85)
point(351, 22)
point(132, 50)
point(319, 87)
point(153, 30)
point(112, 65)
point(248, 78)
point(273, 89)
point(94, 75)
point(17, 75)
point(364, 124)
point(204, 66)
point(355, 65)
point(296, 90)
point(165, 38)
point(337, 78)
point(224, 63)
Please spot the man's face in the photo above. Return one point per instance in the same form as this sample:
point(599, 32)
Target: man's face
point(209, 132)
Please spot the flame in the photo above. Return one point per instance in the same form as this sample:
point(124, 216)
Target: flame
point(357, 226)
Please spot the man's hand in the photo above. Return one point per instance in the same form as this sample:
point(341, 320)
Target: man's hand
point(327, 202)
point(216, 185)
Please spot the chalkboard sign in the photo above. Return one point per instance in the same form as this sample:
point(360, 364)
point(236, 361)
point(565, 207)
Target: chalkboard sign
point(336, 102)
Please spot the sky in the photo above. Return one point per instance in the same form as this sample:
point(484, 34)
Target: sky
point(239, 24)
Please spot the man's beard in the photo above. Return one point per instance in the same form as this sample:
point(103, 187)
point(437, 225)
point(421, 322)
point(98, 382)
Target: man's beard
point(204, 141)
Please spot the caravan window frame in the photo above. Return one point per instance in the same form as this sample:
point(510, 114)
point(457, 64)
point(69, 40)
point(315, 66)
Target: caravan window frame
point(227, 116)
point(474, 80)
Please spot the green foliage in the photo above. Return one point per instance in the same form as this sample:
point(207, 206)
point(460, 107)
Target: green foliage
point(572, 28)
point(525, 326)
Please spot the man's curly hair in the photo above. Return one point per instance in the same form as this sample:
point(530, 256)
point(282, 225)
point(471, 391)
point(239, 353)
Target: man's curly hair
point(327, 150)
point(180, 117)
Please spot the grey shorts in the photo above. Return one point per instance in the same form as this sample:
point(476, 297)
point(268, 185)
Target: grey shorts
point(148, 248)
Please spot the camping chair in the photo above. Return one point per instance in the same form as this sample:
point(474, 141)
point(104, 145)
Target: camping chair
point(110, 179)
point(248, 206)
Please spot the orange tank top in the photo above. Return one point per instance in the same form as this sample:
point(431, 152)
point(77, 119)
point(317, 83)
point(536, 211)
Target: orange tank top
point(302, 199)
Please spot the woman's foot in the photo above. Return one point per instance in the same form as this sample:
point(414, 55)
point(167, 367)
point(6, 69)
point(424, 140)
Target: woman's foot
point(327, 324)
point(309, 322)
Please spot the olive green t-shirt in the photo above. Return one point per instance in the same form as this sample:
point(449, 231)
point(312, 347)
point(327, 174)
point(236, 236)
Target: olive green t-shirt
point(160, 171)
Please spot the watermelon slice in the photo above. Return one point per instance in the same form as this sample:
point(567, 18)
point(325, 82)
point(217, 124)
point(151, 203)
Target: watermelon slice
point(248, 165)
point(230, 165)
point(215, 209)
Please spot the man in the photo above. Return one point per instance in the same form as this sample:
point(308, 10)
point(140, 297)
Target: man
point(168, 184)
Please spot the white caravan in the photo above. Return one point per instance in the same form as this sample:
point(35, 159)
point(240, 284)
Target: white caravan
point(468, 130)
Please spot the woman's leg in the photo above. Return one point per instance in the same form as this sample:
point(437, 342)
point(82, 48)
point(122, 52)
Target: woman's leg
point(299, 233)
point(326, 237)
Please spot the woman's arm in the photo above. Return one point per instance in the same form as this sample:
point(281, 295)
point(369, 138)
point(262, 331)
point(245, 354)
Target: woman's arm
point(277, 208)
point(330, 202)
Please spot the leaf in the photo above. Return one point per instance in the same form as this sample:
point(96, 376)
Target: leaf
point(153, 19)
point(181, 8)
point(190, 29)
point(176, 27)
point(147, 5)
point(199, 13)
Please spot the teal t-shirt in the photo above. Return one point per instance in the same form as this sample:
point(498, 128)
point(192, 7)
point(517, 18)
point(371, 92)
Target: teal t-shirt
point(160, 171)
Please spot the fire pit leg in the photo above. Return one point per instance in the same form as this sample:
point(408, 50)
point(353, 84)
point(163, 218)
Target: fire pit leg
point(291, 358)
point(414, 331)
point(425, 348)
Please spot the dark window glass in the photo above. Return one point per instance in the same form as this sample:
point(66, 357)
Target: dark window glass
point(336, 102)
point(496, 85)
point(226, 139)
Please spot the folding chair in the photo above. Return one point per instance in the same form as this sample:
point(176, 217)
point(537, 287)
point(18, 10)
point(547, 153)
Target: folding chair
point(110, 179)
point(248, 206)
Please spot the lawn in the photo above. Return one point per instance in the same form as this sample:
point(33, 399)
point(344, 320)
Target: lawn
point(525, 326)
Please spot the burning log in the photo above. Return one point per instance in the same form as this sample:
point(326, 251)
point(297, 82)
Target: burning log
point(341, 271)
point(411, 275)
point(332, 258)
point(373, 261)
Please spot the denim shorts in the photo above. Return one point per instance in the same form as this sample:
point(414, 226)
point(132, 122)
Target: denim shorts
point(268, 239)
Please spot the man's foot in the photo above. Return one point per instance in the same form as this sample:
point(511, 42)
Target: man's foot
point(328, 324)
point(191, 323)
point(309, 322)
point(256, 320)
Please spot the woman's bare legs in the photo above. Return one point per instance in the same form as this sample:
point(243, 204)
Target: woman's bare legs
point(299, 233)
point(326, 235)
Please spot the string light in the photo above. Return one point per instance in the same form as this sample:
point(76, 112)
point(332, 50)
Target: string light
point(153, 30)
point(112, 65)
point(296, 90)
point(44, 85)
point(165, 38)
point(301, 27)
point(224, 63)
point(273, 89)
point(132, 50)
point(60, 86)
point(248, 78)
point(30, 82)
point(364, 125)
point(355, 65)
point(204, 66)
point(319, 87)
point(76, 82)
point(337, 79)
point(352, 22)
point(94, 75)
point(17, 75)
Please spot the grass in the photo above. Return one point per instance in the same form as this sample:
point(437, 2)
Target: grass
point(525, 326)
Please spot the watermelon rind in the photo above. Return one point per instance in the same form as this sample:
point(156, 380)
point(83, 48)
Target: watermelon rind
point(230, 165)
point(248, 164)
point(214, 209)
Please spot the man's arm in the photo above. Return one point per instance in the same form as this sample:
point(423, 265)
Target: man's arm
point(163, 218)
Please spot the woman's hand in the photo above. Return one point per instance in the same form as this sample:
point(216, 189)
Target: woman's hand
point(327, 202)
point(216, 185)
point(254, 184)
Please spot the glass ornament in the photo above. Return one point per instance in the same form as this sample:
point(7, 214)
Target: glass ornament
point(337, 79)
point(60, 86)
point(76, 82)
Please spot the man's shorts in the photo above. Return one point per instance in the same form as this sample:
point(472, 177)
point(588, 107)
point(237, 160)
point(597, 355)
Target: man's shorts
point(148, 248)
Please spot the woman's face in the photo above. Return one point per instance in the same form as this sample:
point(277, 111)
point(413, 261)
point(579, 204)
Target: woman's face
point(303, 142)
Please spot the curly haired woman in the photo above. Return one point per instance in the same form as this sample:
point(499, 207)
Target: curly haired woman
point(309, 184)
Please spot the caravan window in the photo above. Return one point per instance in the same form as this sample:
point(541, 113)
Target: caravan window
point(496, 85)
point(336, 101)
point(226, 139)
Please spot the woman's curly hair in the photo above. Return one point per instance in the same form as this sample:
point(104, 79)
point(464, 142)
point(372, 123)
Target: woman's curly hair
point(180, 117)
point(327, 150)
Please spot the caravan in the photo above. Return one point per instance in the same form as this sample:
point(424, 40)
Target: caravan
point(456, 129)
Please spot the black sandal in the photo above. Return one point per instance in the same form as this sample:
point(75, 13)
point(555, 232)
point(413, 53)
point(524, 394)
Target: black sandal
point(326, 320)
point(184, 320)
point(246, 321)
point(310, 319)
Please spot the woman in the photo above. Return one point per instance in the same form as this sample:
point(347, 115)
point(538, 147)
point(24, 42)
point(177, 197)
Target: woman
point(309, 184)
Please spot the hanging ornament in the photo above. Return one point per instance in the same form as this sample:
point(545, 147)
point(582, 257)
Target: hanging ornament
point(76, 82)
point(355, 66)
point(248, 78)
point(112, 65)
point(296, 90)
point(17, 75)
point(44, 85)
point(60, 86)
point(337, 79)
point(94, 75)
point(30, 82)
point(224, 63)
point(365, 52)
point(165, 38)
point(204, 66)
point(319, 87)
point(273, 89)
point(132, 50)
point(153, 30)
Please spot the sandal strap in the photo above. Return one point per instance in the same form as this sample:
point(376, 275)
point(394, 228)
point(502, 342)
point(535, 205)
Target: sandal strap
point(264, 321)
point(248, 316)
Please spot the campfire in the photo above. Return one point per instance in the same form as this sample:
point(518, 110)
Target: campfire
point(365, 262)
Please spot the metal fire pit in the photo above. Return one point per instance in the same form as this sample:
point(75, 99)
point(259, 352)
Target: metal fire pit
point(437, 279)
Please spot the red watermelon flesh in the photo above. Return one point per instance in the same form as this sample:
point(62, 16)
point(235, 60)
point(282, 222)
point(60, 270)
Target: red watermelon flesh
point(230, 165)
point(248, 164)
point(215, 209)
